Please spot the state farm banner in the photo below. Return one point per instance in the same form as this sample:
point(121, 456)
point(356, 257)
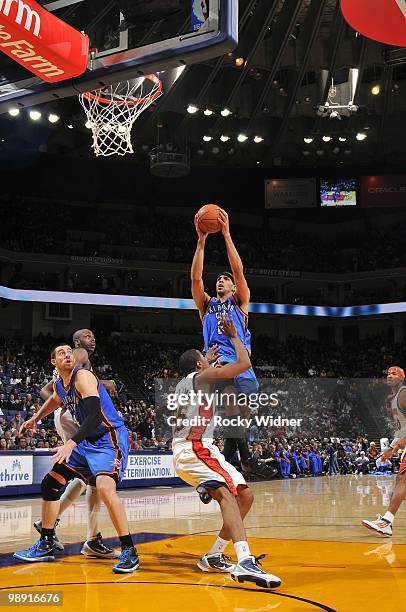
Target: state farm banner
point(40, 42)
point(290, 193)
point(383, 191)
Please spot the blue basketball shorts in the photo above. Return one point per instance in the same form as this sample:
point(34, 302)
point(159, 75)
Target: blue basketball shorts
point(107, 455)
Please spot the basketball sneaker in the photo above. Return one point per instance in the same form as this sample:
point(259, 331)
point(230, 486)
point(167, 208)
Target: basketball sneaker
point(381, 525)
point(40, 551)
point(215, 563)
point(128, 561)
point(248, 570)
point(97, 548)
point(263, 470)
point(56, 541)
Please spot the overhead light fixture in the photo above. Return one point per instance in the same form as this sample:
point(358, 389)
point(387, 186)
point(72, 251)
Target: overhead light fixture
point(53, 118)
point(242, 137)
point(258, 139)
point(208, 112)
point(376, 89)
point(342, 138)
point(327, 138)
point(239, 61)
point(14, 112)
point(336, 150)
point(306, 153)
point(224, 138)
point(308, 139)
point(215, 150)
point(200, 152)
point(361, 136)
point(347, 152)
point(319, 152)
point(207, 138)
point(70, 126)
point(35, 115)
point(226, 112)
point(192, 109)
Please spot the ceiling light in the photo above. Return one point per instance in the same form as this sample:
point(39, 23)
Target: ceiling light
point(258, 139)
point(319, 152)
point(308, 139)
point(224, 138)
point(361, 136)
point(376, 89)
point(215, 150)
point(200, 152)
point(208, 112)
point(207, 138)
point(342, 138)
point(336, 150)
point(306, 153)
point(53, 118)
point(192, 109)
point(347, 152)
point(226, 112)
point(326, 138)
point(35, 115)
point(242, 137)
point(70, 126)
point(239, 61)
point(14, 112)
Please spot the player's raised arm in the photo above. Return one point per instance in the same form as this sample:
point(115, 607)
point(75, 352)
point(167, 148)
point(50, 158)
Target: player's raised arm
point(242, 363)
point(199, 295)
point(47, 390)
point(242, 293)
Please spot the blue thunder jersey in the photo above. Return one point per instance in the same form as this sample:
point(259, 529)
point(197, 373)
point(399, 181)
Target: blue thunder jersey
point(212, 327)
point(73, 402)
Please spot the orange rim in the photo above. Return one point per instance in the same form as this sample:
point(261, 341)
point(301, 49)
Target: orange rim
point(93, 95)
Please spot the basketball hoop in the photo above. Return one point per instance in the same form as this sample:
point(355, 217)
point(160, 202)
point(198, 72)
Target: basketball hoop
point(112, 111)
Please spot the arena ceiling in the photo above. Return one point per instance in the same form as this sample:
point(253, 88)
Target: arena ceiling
point(293, 57)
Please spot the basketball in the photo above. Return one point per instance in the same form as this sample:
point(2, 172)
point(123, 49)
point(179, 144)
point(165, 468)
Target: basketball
point(208, 218)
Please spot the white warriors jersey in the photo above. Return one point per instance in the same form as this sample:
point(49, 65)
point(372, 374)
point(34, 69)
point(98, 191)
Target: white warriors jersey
point(194, 413)
point(399, 415)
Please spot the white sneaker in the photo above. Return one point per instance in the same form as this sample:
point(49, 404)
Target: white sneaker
point(248, 570)
point(381, 525)
point(215, 563)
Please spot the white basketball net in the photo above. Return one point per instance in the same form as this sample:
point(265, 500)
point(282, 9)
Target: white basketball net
point(112, 111)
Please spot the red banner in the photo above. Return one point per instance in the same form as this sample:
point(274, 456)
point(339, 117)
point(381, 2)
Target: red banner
point(43, 44)
point(382, 20)
point(383, 191)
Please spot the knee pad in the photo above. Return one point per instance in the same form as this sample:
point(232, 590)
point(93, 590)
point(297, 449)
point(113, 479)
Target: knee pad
point(51, 488)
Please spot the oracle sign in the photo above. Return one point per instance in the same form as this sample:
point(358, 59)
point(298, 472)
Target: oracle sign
point(381, 20)
point(383, 191)
point(43, 44)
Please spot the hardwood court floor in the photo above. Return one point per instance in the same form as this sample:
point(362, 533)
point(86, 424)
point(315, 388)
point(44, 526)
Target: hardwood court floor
point(310, 529)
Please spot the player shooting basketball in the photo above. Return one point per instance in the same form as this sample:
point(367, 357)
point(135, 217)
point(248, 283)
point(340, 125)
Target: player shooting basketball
point(232, 297)
point(395, 379)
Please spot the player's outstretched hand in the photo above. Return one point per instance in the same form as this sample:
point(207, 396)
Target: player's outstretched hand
point(62, 453)
point(224, 222)
point(29, 424)
point(211, 353)
point(202, 235)
point(228, 327)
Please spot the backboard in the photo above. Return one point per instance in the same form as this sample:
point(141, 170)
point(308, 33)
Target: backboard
point(130, 38)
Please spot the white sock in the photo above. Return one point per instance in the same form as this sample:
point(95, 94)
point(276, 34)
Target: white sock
point(218, 547)
point(73, 491)
point(242, 550)
point(93, 509)
point(388, 516)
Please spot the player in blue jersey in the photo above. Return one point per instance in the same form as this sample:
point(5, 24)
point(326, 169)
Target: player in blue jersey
point(232, 297)
point(98, 449)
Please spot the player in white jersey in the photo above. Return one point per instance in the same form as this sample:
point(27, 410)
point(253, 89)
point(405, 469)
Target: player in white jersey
point(395, 379)
point(94, 547)
point(200, 463)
